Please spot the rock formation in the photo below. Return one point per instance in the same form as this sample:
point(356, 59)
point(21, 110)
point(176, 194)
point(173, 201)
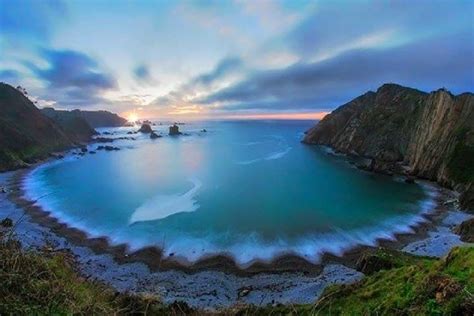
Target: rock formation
point(174, 130)
point(403, 130)
point(145, 128)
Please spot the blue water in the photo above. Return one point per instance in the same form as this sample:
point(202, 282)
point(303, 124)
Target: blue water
point(249, 189)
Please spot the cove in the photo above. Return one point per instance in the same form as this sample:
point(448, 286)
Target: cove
point(248, 189)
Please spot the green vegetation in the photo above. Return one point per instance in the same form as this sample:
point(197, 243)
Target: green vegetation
point(45, 282)
point(419, 287)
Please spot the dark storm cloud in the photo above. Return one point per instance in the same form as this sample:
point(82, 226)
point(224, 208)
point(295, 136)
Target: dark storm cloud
point(429, 64)
point(73, 74)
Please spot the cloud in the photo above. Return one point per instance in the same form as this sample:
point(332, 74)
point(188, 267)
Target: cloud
point(189, 90)
point(73, 77)
point(142, 75)
point(225, 67)
point(429, 64)
point(334, 28)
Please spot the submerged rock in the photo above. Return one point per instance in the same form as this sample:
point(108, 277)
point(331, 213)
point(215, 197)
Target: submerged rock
point(174, 130)
point(145, 128)
point(154, 135)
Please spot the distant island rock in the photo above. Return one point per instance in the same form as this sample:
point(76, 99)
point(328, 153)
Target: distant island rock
point(174, 130)
point(403, 130)
point(145, 128)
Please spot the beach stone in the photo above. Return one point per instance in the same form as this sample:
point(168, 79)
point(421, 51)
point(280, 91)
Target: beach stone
point(6, 222)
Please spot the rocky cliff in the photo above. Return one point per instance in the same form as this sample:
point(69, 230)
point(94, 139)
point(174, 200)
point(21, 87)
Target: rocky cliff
point(25, 133)
point(403, 130)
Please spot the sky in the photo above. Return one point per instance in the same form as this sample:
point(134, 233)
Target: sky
point(230, 58)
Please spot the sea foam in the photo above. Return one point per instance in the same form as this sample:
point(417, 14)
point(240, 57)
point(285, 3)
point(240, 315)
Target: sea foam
point(161, 206)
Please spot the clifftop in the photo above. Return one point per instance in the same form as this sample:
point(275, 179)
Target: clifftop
point(430, 133)
point(25, 134)
point(93, 118)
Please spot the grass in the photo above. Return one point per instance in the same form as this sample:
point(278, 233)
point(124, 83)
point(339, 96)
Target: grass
point(45, 282)
point(419, 287)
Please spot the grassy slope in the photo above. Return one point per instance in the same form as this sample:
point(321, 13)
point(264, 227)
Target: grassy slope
point(45, 283)
point(420, 287)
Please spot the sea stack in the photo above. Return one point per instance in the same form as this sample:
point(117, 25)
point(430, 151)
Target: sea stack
point(146, 128)
point(174, 130)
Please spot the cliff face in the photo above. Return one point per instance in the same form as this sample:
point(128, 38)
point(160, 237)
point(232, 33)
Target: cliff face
point(25, 134)
point(430, 135)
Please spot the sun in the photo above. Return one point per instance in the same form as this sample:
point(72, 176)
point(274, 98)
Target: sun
point(132, 117)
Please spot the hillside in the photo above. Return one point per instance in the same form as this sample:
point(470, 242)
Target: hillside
point(93, 118)
point(25, 133)
point(75, 126)
point(403, 130)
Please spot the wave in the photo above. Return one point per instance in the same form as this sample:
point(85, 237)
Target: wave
point(271, 156)
point(162, 206)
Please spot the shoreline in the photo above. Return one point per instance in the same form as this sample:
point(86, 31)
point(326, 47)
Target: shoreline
point(153, 257)
point(217, 282)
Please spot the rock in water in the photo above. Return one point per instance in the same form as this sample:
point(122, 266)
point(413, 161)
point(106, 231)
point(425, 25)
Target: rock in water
point(174, 130)
point(146, 128)
point(154, 135)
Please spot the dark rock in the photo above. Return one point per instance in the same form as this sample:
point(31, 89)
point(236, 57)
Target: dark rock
point(6, 222)
point(204, 130)
point(174, 130)
point(370, 263)
point(466, 199)
point(145, 128)
point(108, 148)
point(154, 135)
point(410, 180)
point(92, 152)
point(84, 149)
point(466, 230)
point(103, 140)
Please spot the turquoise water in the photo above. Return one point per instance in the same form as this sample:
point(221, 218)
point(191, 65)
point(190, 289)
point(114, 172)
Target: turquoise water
point(246, 188)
